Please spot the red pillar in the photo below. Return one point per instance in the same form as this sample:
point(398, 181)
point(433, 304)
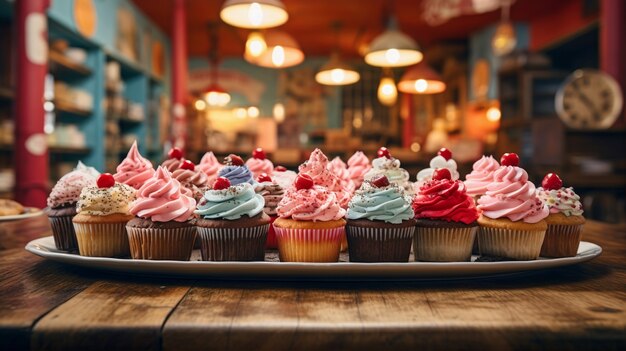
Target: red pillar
point(408, 131)
point(31, 147)
point(179, 73)
point(612, 42)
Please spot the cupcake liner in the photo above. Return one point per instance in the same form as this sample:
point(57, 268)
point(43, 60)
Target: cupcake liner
point(161, 244)
point(271, 242)
point(233, 244)
point(309, 245)
point(513, 244)
point(102, 239)
point(344, 243)
point(379, 244)
point(444, 244)
point(63, 233)
point(561, 240)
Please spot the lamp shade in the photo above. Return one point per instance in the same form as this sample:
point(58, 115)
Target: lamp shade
point(336, 72)
point(421, 79)
point(282, 51)
point(254, 14)
point(393, 48)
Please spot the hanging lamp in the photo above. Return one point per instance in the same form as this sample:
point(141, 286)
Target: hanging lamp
point(504, 38)
point(335, 71)
point(255, 46)
point(393, 48)
point(387, 92)
point(282, 51)
point(255, 14)
point(421, 79)
point(215, 95)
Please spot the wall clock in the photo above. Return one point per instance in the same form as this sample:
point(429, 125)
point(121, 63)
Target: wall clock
point(589, 99)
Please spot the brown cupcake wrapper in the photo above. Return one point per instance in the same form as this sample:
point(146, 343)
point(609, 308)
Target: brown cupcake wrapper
point(379, 244)
point(444, 244)
point(173, 244)
point(309, 245)
point(102, 239)
point(513, 244)
point(562, 240)
point(63, 233)
point(233, 244)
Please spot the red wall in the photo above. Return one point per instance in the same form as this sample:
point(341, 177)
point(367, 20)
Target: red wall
point(551, 27)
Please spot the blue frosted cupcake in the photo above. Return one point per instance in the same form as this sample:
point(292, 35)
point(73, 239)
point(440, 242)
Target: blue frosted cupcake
point(236, 171)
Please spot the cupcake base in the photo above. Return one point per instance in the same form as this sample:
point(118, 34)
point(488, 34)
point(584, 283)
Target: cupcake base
point(62, 227)
point(513, 240)
point(303, 241)
point(233, 244)
point(562, 240)
point(440, 241)
point(160, 240)
point(102, 239)
point(372, 241)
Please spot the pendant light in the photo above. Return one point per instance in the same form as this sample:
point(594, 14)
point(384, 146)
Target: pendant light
point(387, 91)
point(215, 95)
point(335, 71)
point(504, 39)
point(254, 14)
point(421, 79)
point(255, 46)
point(282, 51)
point(393, 48)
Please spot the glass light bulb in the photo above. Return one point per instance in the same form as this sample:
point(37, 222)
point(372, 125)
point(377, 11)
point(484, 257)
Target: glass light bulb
point(255, 14)
point(504, 39)
point(240, 112)
point(279, 112)
point(255, 45)
point(493, 114)
point(337, 75)
point(253, 112)
point(200, 105)
point(387, 91)
point(421, 85)
point(278, 56)
point(392, 55)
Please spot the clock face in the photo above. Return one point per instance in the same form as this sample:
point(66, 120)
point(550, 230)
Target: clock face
point(589, 99)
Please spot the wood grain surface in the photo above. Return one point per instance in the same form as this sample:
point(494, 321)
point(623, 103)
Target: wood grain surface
point(46, 305)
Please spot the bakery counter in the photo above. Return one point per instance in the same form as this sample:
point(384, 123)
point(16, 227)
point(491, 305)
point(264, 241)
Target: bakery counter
point(48, 305)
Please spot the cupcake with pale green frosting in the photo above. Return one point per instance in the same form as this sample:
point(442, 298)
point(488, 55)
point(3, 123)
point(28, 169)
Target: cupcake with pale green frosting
point(380, 222)
point(232, 225)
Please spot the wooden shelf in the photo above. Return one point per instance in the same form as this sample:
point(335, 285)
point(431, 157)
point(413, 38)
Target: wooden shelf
point(130, 120)
point(63, 66)
point(6, 147)
point(6, 94)
point(63, 107)
point(69, 150)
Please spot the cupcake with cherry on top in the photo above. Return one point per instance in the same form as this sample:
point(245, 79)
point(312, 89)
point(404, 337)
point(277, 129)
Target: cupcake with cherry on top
point(316, 167)
point(134, 170)
point(565, 221)
point(481, 176)
point(259, 163)
point(272, 193)
point(442, 160)
point(174, 160)
point(194, 181)
point(236, 171)
point(390, 167)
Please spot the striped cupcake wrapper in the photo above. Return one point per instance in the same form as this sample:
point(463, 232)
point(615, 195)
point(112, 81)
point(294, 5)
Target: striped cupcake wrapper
point(444, 244)
point(309, 245)
point(102, 239)
point(519, 245)
point(561, 240)
point(173, 244)
point(63, 233)
point(233, 244)
point(379, 244)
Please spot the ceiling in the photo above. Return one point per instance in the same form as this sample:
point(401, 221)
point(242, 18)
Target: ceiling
point(310, 22)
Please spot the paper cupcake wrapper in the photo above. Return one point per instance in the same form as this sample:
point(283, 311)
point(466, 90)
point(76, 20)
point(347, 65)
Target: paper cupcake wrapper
point(309, 245)
point(379, 244)
point(443, 244)
point(102, 239)
point(513, 244)
point(161, 244)
point(233, 244)
point(271, 242)
point(561, 240)
point(63, 233)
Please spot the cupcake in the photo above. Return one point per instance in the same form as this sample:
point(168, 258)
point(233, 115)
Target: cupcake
point(272, 193)
point(310, 224)
point(512, 223)
point(163, 227)
point(442, 160)
point(565, 221)
point(388, 166)
point(317, 168)
point(194, 181)
point(134, 169)
point(210, 166)
point(340, 169)
point(102, 214)
point(283, 177)
point(62, 205)
point(380, 223)
point(358, 166)
point(259, 163)
point(481, 176)
point(174, 160)
point(232, 225)
point(236, 171)
point(446, 220)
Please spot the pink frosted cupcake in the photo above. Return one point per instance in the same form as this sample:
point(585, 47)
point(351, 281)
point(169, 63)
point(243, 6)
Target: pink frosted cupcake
point(340, 169)
point(174, 160)
point(134, 169)
point(317, 168)
point(481, 176)
point(259, 163)
point(283, 177)
point(358, 166)
point(163, 228)
point(210, 166)
point(194, 181)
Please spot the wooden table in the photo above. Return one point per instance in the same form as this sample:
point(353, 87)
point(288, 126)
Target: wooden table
point(47, 305)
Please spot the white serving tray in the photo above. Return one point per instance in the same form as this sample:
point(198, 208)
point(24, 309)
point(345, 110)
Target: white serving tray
point(273, 270)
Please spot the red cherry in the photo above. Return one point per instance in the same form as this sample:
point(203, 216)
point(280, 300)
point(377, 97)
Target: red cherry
point(441, 174)
point(280, 169)
point(258, 153)
point(445, 153)
point(105, 180)
point(552, 181)
point(509, 159)
point(380, 181)
point(175, 153)
point(383, 152)
point(263, 177)
point(234, 160)
point(221, 183)
point(304, 181)
point(188, 165)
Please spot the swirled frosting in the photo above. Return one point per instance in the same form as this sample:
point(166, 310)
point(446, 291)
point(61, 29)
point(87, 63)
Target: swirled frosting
point(236, 174)
point(81, 167)
point(285, 178)
point(437, 162)
point(210, 166)
point(258, 166)
point(340, 169)
point(314, 204)
point(162, 199)
point(317, 167)
point(387, 204)
point(445, 200)
point(481, 176)
point(97, 201)
point(563, 200)
point(272, 194)
point(67, 190)
point(134, 169)
point(390, 167)
point(192, 180)
point(358, 166)
point(172, 164)
point(512, 196)
point(230, 203)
